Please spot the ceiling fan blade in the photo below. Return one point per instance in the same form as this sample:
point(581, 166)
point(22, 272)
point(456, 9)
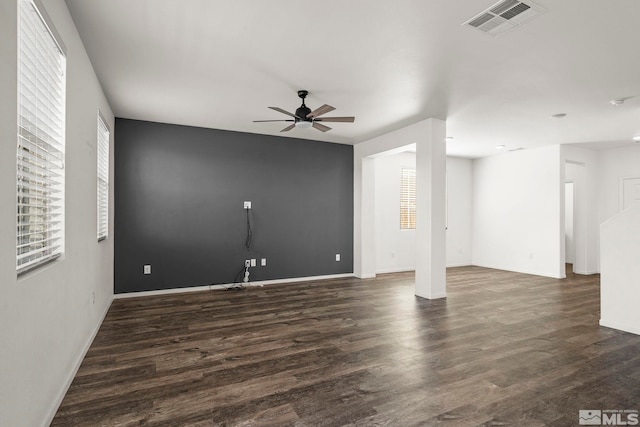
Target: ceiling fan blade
point(336, 119)
point(283, 111)
point(320, 127)
point(288, 128)
point(320, 111)
point(263, 121)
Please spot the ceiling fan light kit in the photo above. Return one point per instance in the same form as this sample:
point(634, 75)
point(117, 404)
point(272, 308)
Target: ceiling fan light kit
point(304, 118)
point(303, 124)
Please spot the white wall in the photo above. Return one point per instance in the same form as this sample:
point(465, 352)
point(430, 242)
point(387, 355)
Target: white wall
point(395, 248)
point(619, 284)
point(48, 316)
point(517, 221)
point(614, 165)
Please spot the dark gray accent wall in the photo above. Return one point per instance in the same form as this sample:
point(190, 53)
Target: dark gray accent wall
point(179, 194)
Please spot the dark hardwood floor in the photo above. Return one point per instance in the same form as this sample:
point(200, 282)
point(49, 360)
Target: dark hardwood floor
point(502, 349)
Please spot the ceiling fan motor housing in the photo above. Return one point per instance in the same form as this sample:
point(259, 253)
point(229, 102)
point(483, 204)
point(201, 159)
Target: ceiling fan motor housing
point(302, 112)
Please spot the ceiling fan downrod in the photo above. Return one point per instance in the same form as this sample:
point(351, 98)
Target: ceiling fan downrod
point(303, 111)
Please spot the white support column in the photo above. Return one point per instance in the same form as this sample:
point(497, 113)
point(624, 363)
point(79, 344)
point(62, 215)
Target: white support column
point(364, 253)
point(431, 211)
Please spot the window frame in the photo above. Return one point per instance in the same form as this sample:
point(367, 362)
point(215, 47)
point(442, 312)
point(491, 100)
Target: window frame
point(102, 175)
point(408, 197)
point(40, 145)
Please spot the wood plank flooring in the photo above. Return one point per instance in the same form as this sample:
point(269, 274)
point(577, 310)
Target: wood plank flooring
point(502, 349)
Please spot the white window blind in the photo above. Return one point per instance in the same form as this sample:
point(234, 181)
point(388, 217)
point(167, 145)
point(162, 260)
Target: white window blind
point(40, 148)
point(408, 199)
point(103, 179)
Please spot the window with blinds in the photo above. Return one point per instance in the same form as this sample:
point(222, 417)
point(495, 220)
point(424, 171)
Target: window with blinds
point(40, 148)
point(408, 199)
point(103, 179)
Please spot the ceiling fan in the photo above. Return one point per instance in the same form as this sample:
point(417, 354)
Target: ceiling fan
point(305, 118)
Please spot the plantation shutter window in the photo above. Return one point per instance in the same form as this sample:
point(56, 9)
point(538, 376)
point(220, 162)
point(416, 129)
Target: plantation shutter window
point(408, 199)
point(103, 179)
point(40, 145)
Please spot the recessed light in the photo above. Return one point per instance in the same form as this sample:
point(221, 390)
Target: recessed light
point(449, 138)
point(558, 116)
point(636, 138)
point(618, 102)
point(500, 147)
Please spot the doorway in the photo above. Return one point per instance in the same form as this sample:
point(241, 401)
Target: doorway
point(576, 235)
point(629, 191)
point(569, 241)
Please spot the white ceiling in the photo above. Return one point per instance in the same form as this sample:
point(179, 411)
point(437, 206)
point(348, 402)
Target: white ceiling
point(220, 63)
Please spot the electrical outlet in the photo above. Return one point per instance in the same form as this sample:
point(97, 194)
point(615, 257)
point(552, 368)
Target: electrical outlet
point(147, 269)
point(337, 257)
point(253, 262)
point(247, 263)
point(247, 205)
point(263, 262)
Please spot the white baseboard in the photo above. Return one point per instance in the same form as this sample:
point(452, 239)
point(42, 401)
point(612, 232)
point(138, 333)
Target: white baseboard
point(620, 327)
point(436, 296)
point(296, 280)
point(164, 292)
point(395, 270)
point(586, 273)
point(553, 275)
point(228, 285)
point(76, 365)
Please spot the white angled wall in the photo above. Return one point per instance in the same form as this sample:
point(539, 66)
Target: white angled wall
point(516, 212)
point(49, 316)
point(619, 244)
point(620, 252)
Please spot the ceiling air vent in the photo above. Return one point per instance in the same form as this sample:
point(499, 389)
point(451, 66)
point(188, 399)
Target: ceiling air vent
point(504, 16)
